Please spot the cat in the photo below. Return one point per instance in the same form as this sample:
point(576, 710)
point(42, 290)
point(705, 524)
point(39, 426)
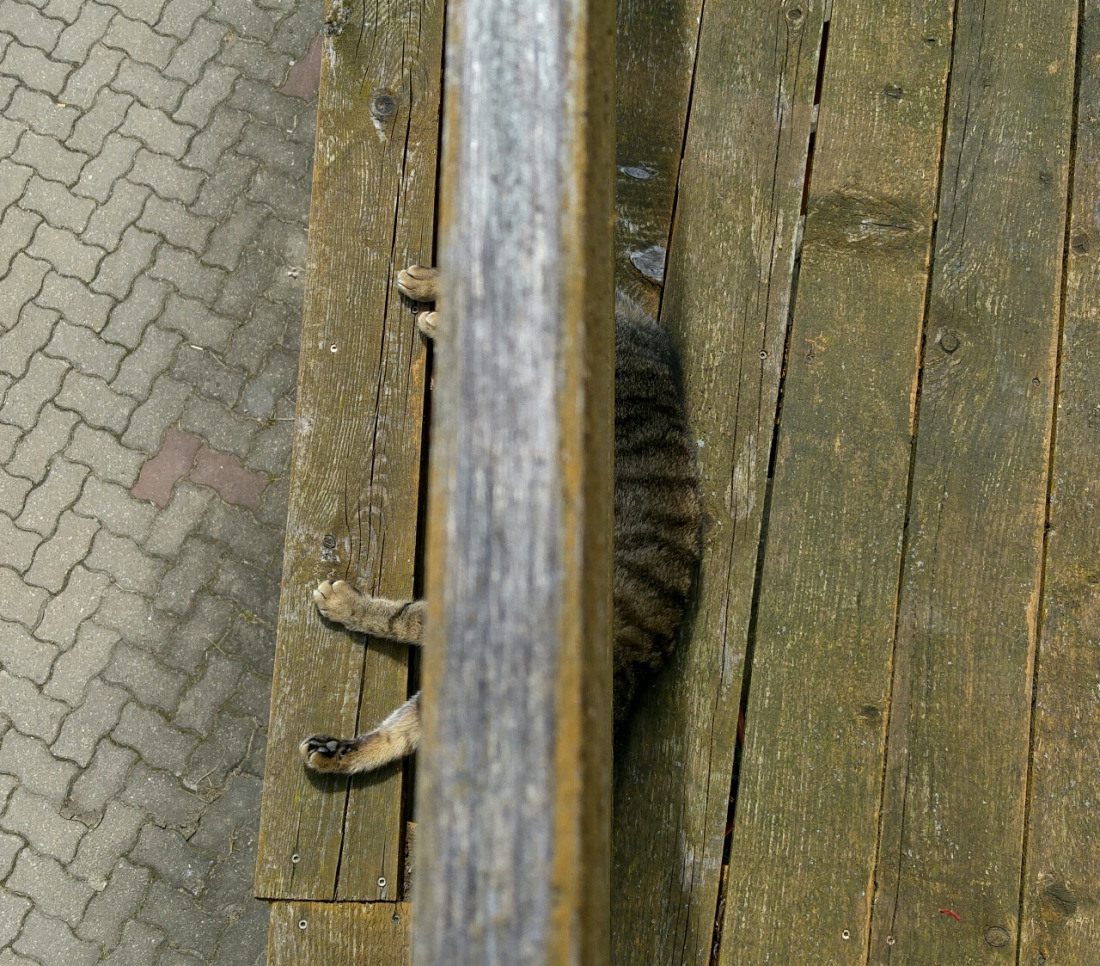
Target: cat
point(657, 535)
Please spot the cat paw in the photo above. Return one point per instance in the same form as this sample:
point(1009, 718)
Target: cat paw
point(427, 323)
point(418, 283)
point(336, 601)
point(325, 753)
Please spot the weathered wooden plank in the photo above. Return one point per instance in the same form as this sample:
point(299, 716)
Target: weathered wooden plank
point(1062, 878)
point(953, 813)
point(805, 830)
point(514, 778)
point(337, 933)
point(355, 470)
point(726, 301)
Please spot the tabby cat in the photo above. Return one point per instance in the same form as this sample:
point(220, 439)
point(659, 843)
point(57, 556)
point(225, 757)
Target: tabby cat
point(656, 546)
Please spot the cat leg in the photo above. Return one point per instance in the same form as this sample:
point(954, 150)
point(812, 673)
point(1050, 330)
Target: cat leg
point(396, 737)
point(395, 620)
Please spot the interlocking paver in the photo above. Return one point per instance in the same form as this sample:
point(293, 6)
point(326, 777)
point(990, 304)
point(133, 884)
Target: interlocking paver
point(56, 558)
point(93, 126)
point(74, 300)
point(13, 910)
point(28, 709)
point(168, 854)
point(25, 400)
point(88, 656)
point(106, 457)
point(154, 739)
point(149, 86)
point(58, 205)
point(68, 254)
point(122, 266)
point(175, 223)
point(179, 16)
point(203, 98)
point(148, 680)
point(100, 782)
point(114, 159)
point(34, 69)
point(17, 547)
point(52, 941)
point(157, 130)
point(94, 73)
point(85, 352)
point(52, 890)
point(24, 655)
point(17, 227)
point(47, 501)
point(30, 760)
point(81, 730)
point(121, 210)
point(203, 42)
point(137, 40)
point(36, 819)
point(114, 835)
point(130, 318)
point(198, 324)
point(116, 905)
point(19, 344)
point(77, 38)
point(184, 923)
point(21, 284)
point(29, 26)
point(166, 176)
point(9, 849)
point(49, 157)
point(129, 566)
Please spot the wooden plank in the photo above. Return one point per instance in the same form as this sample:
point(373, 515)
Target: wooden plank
point(514, 779)
point(1062, 876)
point(805, 830)
point(355, 470)
point(953, 813)
point(335, 933)
point(726, 302)
point(655, 43)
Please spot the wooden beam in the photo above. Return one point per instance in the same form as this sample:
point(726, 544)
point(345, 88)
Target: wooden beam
point(514, 780)
point(356, 464)
point(335, 933)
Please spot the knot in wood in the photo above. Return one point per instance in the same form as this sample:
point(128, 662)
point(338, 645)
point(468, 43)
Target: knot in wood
point(997, 936)
point(383, 104)
point(949, 342)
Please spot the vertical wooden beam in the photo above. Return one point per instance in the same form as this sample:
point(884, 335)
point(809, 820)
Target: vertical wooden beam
point(355, 470)
point(514, 774)
point(957, 760)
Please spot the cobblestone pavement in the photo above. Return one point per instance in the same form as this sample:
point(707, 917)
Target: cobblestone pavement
point(154, 189)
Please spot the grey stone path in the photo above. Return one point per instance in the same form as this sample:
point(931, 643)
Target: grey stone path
point(154, 189)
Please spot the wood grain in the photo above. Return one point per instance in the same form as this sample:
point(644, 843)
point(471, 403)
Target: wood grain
point(726, 302)
point(1062, 876)
point(338, 933)
point(805, 829)
point(514, 778)
point(953, 813)
point(355, 469)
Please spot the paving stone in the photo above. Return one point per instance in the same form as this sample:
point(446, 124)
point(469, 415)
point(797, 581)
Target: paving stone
point(181, 516)
point(82, 730)
point(13, 493)
point(52, 941)
point(199, 49)
point(237, 232)
point(100, 782)
point(131, 568)
point(52, 890)
point(276, 380)
point(214, 761)
point(115, 509)
point(17, 549)
point(161, 473)
point(197, 323)
point(208, 374)
point(50, 498)
point(135, 618)
point(29, 712)
point(33, 69)
point(121, 210)
point(162, 797)
point(157, 130)
point(58, 204)
point(115, 905)
point(20, 285)
point(185, 924)
point(9, 849)
point(175, 223)
point(255, 60)
point(40, 112)
point(36, 819)
point(167, 853)
point(88, 656)
point(202, 701)
point(29, 27)
point(288, 199)
point(93, 126)
point(183, 269)
point(194, 569)
point(85, 352)
point(114, 159)
point(100, 848)
point(16, 229)
point(130, 318)
point(179, 16)
point(272, 447)
point(156, 741)
point(236, 527)
point(252, 697)
point(77, 38)
point(237, 807)
point(26, 398)
point(23, 655)
point(119, 269)
point(149, 86)
point(251, 280)
point(266, 105)
point(108, 459)
point(150, 420)
point(98, 404)
point(75, 301)
point(29, 760)
point(246, 934)
point(94, 73)
point(67, 10)
point(65, 614)
point(205, 627)
point(138, 946)
point(146, 362)
point(46, 439)
point(146, 678)
point(13, 181)
point(215, 138)
point(273, 147)
point(204, 97)
point(62, 552)
point(9, 438)
point(13, 910)
point(138, 41)
point(65, 252)
point(253, 340)
point(166, 176)
point(49, 157)
point(147, 11)
point(252, 639)
point(228, 182)
point(10, 132)
point(248, 20)
point(224, 429)
point(299, 36)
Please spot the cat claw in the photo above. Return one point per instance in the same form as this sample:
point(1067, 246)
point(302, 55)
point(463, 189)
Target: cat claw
point(321, 752)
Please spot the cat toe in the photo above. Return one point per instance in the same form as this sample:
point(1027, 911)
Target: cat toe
point(323, 752)
point(419, 283)
point(335, 600)
point(428, 323)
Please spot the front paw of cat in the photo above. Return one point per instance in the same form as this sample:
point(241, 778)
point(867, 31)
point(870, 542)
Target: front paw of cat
point(336, 601)
point(324, 753)
point(419, 283)
point(427, 323)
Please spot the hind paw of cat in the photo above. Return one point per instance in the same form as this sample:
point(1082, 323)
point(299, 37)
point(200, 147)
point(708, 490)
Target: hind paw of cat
point(336, 601)
point(325, 753)
point(427, 323)
point(419, 283)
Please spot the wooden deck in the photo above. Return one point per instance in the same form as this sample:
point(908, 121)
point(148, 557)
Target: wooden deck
point(873, 231)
